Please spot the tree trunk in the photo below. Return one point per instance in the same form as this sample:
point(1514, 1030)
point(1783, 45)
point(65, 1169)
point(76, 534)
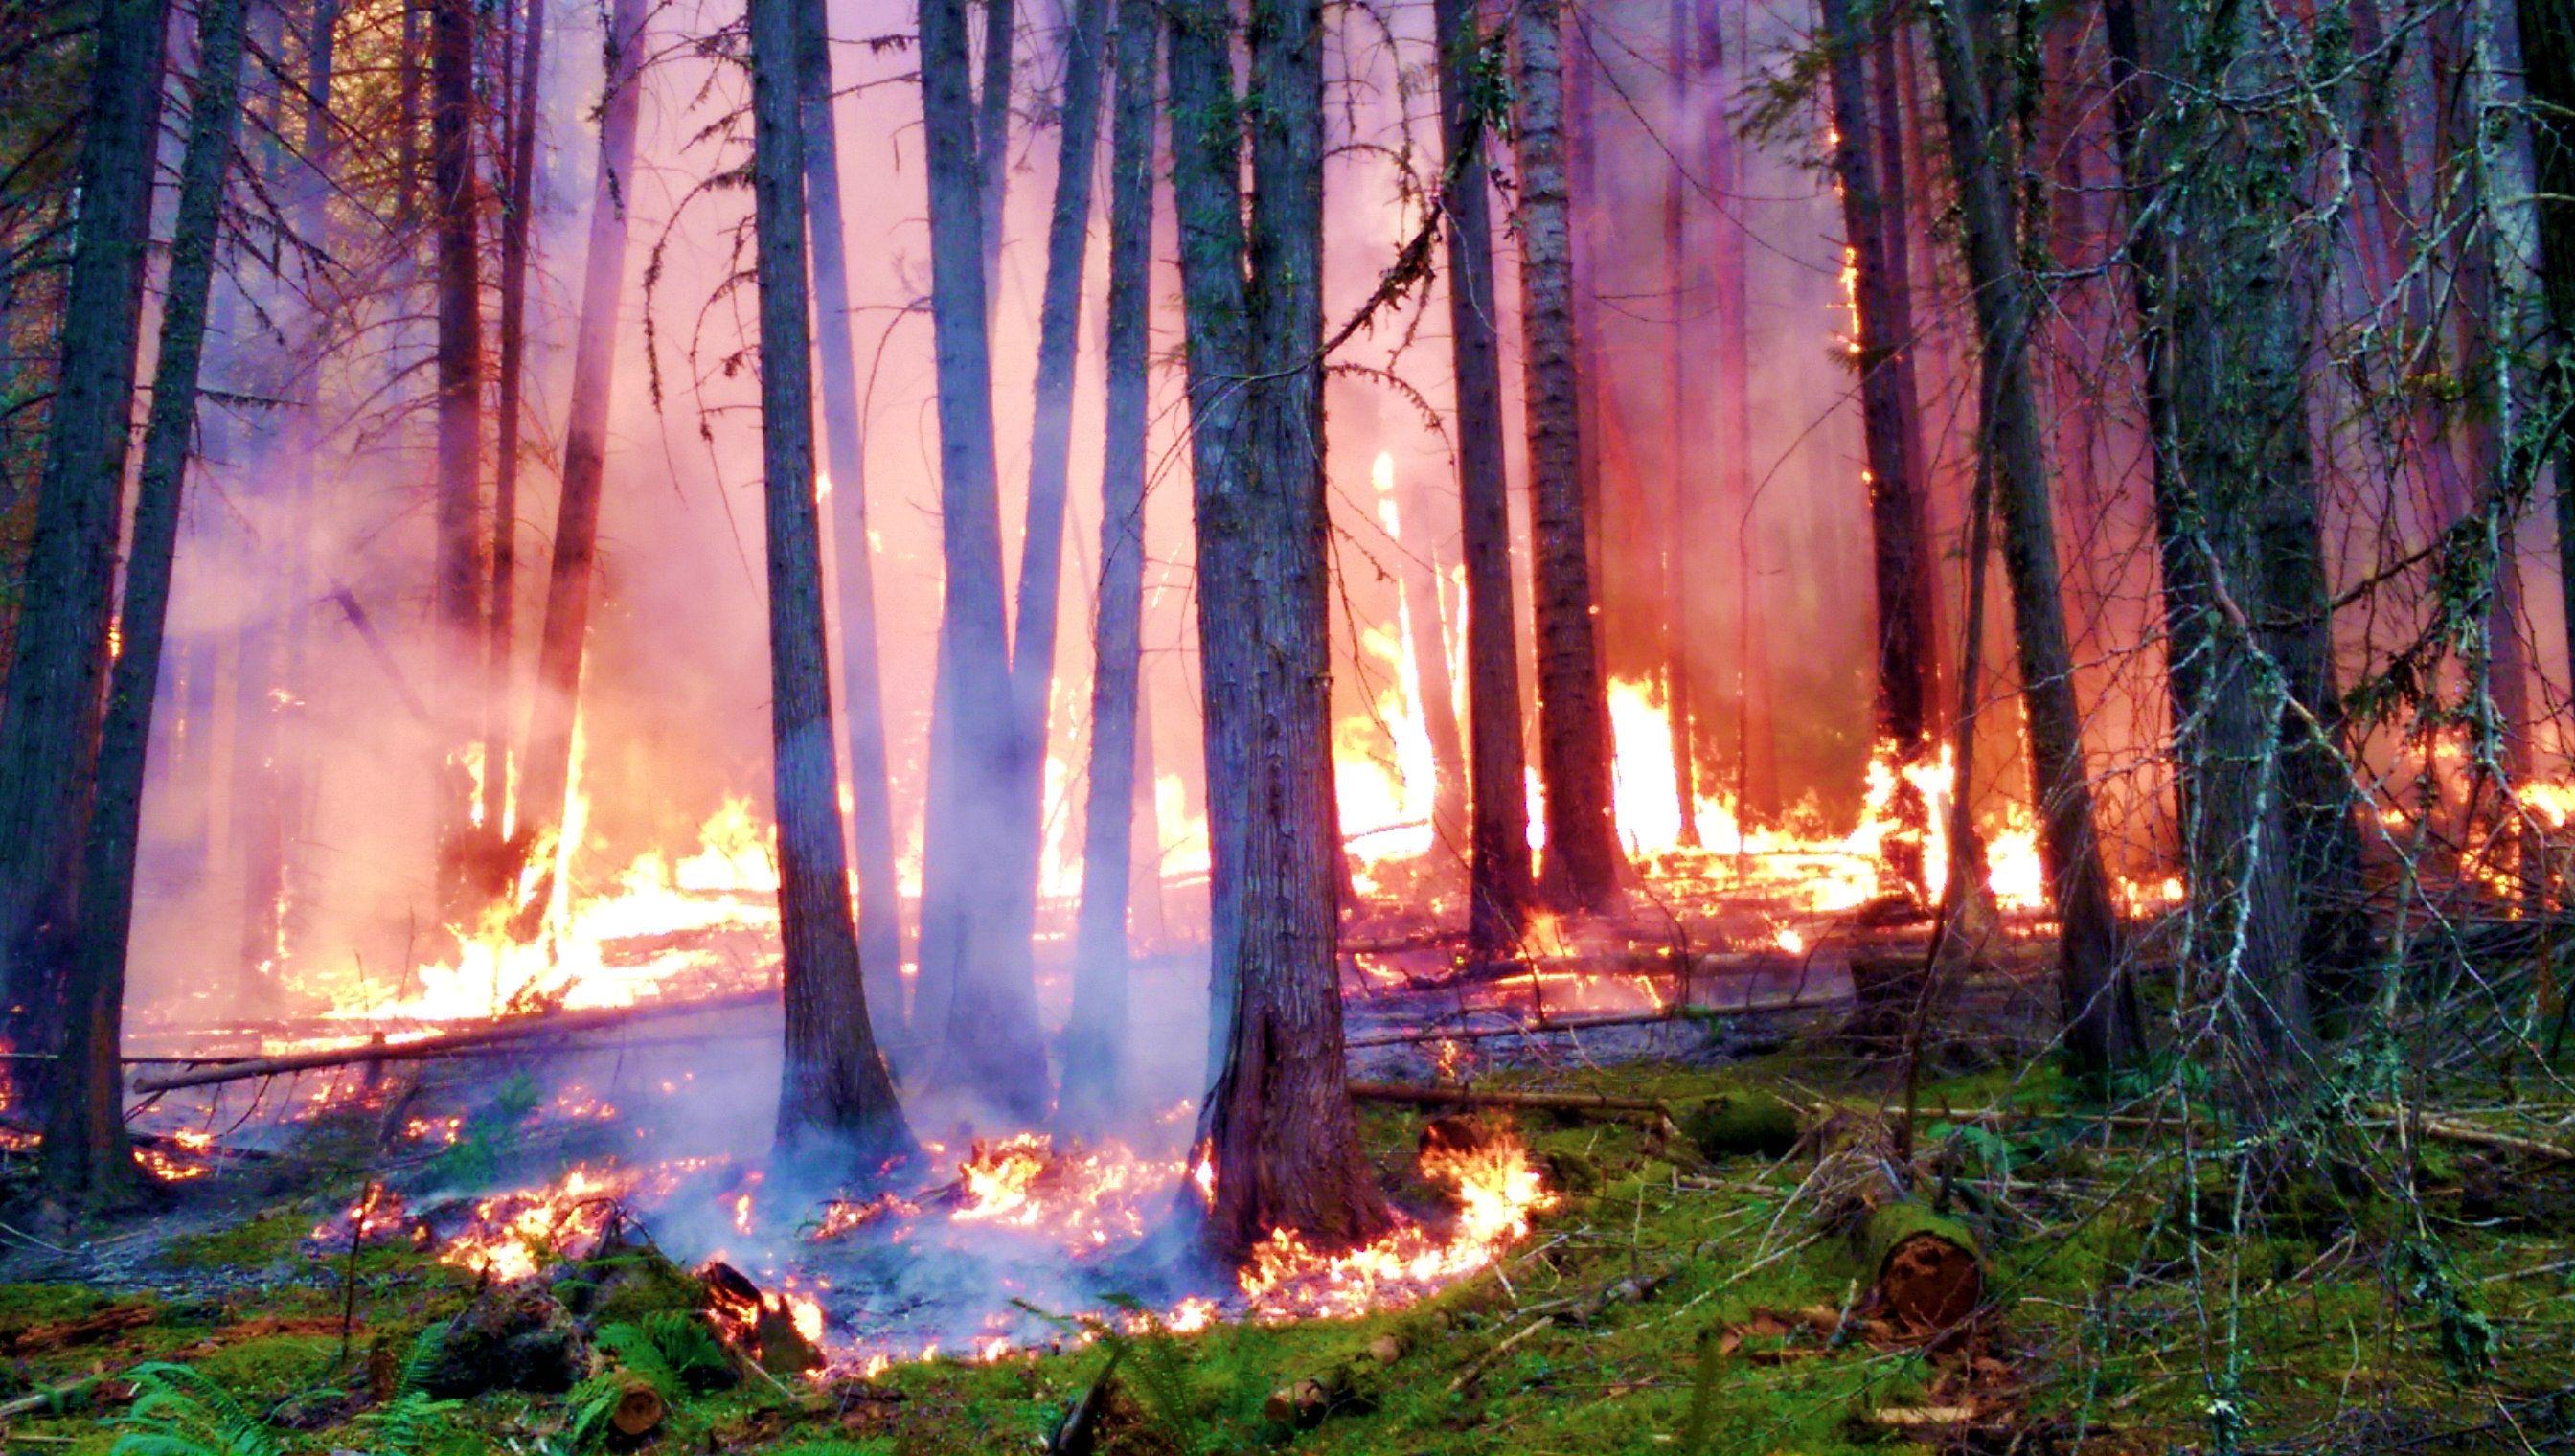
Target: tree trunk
point(2548, 76)
point(1040, 583)
point(2098, 1002)
point(457, 606)
point(501, 628)
point(1584, 864)
point(1898, 520)
point(554, 708)
point(834, 1090)
point(48, 730)
point(1417, 571)
point(1754, 772)
point(871, 794)
point(983, 999)
point(1278, 1126)
point(992, 137)
point(1498, 869)
point(1095, 1039)
point(1680, 398)
point(86, 1152)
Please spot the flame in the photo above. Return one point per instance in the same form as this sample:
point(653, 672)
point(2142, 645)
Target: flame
point(1497, 1190)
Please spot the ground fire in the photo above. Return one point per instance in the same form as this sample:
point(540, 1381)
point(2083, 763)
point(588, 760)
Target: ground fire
point(1201, 727)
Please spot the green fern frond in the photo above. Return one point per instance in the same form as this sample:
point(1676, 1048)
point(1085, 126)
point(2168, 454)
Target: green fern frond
point(178, 1411)
point(427, 1349)
point(689, 1345)
point(406, 1424)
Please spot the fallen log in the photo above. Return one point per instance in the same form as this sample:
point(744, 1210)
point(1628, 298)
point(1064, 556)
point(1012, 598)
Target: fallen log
point(516, 1028)
point(1927, 1272)
point(638, 1409)
point(1446, 1096)
point(35, 1339)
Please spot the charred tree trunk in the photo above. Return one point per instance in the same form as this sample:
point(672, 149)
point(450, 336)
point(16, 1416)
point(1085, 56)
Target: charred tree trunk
point(501, 626)
point(1278, 1125)
point(1584, 864)
point(2098, 1000)
point(1680, 398)
point(457, 598)
point(48, 730)
point(862, 679)
point(555, 708)
point(1498, 867)
point(1095, 1039)
point(834, 1091)
point(1418, 571)
point(985, 1004)
point(1040, 583)
point(86, 1152)
point(1899, 521)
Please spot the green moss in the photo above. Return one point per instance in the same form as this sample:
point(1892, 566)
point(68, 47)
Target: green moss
point(258, 1243)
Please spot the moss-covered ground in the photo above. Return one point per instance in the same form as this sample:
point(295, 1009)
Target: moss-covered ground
point(2152, 1284)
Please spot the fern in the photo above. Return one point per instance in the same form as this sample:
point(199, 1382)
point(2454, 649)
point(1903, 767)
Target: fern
point(593, 1401)
point(636, 1351)
point(689, 1345)
point(406, 1424)
point(427, 1349)
point(178, 1411)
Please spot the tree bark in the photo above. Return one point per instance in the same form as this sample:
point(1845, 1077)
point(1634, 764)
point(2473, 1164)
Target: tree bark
point(992, 137)
point(1276, 1128)
point(1755, 770)
point(87, 1155)
point(1583, 863)
point(982, 996)
point(2548, 77)
point(862, 679)
point(2099, 1002)
point(1900, 520)
point(1040, 583)
point(834, 1089)
point(554, 707)
point(1499, 863)
point(456, 609)
point(48, 730)
point(501, 626)
point(1094, 1041)
point(1680, 398)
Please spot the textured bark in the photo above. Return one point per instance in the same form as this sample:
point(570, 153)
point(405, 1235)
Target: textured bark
point(1900, 520)
point(562, 639)
point(2099, 1002)
point(455, 608)
point(1498, 864)
point(1095, 1039)
point(1278, 1124)
point(501, 631)
point(834, 1091)
point(975, 990)
point(86, 1151)
point(861, 679)
point(48, 728)
point(992, 136)
point(1041, 583)
point(1583, 863)
point(2548, 76)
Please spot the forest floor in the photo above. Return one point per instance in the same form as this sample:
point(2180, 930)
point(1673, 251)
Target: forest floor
point(2146, 1288)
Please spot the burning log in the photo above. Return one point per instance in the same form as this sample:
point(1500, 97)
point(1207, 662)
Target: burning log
point(511, 1029)
point(778, 1335)
point(1930, 1275)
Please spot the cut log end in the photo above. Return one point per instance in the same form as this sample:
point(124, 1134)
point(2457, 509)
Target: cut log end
point(1930, 1275)
point(639, 1410)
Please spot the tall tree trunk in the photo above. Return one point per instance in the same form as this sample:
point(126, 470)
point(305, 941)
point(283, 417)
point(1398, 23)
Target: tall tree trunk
point(407, 112)
point(1498, 869)
point(1095, 1039)
point(501, 628)
point(1680, 398)
point(1900, 520)
point(1753, 769)
point(985, 1000)
point(992, 137)
point(2548, 76)
point(86, 1153)
point(1278, 1124)
point(554, 707)
point(1041, 584)
point(456, 610)
point(2098, 1002)
point(834, 1090)
point(862, 679)
point(48, 730)
point(1583, 863)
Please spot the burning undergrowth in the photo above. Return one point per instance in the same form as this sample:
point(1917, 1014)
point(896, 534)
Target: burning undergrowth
point(973, 1250)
